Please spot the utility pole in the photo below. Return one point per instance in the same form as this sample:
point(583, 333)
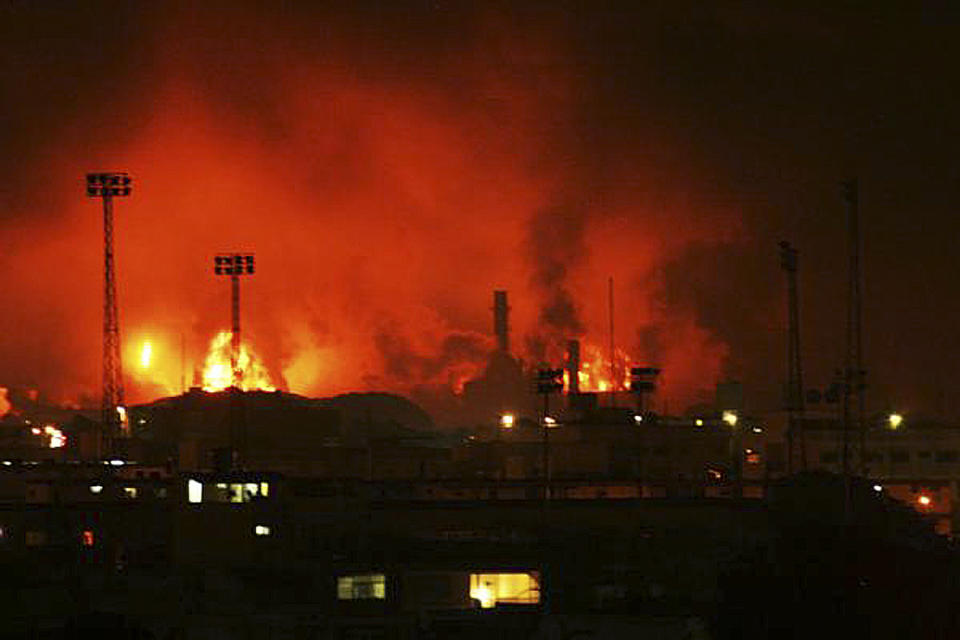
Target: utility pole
point(853, 367)
point(613, 349)
point(794, 391)
point(106, 186)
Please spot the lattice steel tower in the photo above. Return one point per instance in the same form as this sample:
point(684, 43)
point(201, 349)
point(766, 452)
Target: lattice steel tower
point(107, 186)
point(234, 265)
point(794, 391)
point(854, 373)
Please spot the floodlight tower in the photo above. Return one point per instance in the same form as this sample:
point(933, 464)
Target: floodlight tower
point(234, 265)
point(794, 393)
point(106, 186)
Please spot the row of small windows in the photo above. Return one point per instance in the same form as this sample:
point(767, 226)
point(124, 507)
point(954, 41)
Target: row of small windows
point(235, 492)
point(486, 590)
point(896, 456)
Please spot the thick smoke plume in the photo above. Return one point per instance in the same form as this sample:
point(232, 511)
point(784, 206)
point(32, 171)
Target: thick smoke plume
point(555, 245)
point(388, 177)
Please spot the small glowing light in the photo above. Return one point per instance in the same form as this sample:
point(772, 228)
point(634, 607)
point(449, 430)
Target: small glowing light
point(550, 422)
point(96, 488)
point(894, 420)
point(698, 422)
point(146, 353)
point(757, 430)
point(924, 501)
point(130, 492)
point(7, 463)
point(36, 431)
point(116, 462)
point(877, 488)
point(261, 530)
point(87, 538)
point(638, 418)
point(506, 421)
point(730, 417)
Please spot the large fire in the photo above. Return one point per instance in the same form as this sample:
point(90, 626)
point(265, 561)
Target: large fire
point(216, 368)
point(384, 205)
point(597, 374)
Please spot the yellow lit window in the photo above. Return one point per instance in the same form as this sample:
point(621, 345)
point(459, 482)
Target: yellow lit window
point(130, 492)
point(489, 589)
point(368, 586)
point(194, 491)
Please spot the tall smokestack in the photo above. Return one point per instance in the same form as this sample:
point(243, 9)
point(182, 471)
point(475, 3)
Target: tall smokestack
point(573, 367)
point(501, 328)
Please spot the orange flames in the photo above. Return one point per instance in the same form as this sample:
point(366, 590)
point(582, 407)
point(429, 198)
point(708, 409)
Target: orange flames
point(596, 374)
point(404, 201)
point(216, 368)
point(51, 436)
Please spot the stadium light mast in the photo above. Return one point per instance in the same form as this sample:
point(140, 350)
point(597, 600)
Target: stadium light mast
point(234, 265)
point(107, 186)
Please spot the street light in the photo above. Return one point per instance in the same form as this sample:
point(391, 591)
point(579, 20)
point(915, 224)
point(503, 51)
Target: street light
point(895, 420)
point(549, 381)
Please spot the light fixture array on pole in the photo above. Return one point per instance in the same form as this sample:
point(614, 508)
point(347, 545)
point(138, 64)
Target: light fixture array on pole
point(234, 265)
point(107, 186)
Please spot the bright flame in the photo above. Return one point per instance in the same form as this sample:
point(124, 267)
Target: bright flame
point(124, 418)
point(595, 373)
point(216, 369)
point(54, 437)
point(146, 352)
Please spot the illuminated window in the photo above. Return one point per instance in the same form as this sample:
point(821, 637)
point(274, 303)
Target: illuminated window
point(86, 538)
point(96, 488)
point(490, 589)
point(261, 530)
point(194, 491)
point(130, 492)
point(368, 586)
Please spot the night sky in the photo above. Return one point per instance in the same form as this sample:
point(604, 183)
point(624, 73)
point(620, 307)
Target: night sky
point(393, 163)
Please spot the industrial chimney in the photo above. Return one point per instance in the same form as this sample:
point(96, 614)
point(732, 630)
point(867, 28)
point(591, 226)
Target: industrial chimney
point(501, 327)
point(573, 367)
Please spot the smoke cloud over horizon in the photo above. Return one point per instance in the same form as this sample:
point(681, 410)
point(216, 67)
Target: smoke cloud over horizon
point(387, 176)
